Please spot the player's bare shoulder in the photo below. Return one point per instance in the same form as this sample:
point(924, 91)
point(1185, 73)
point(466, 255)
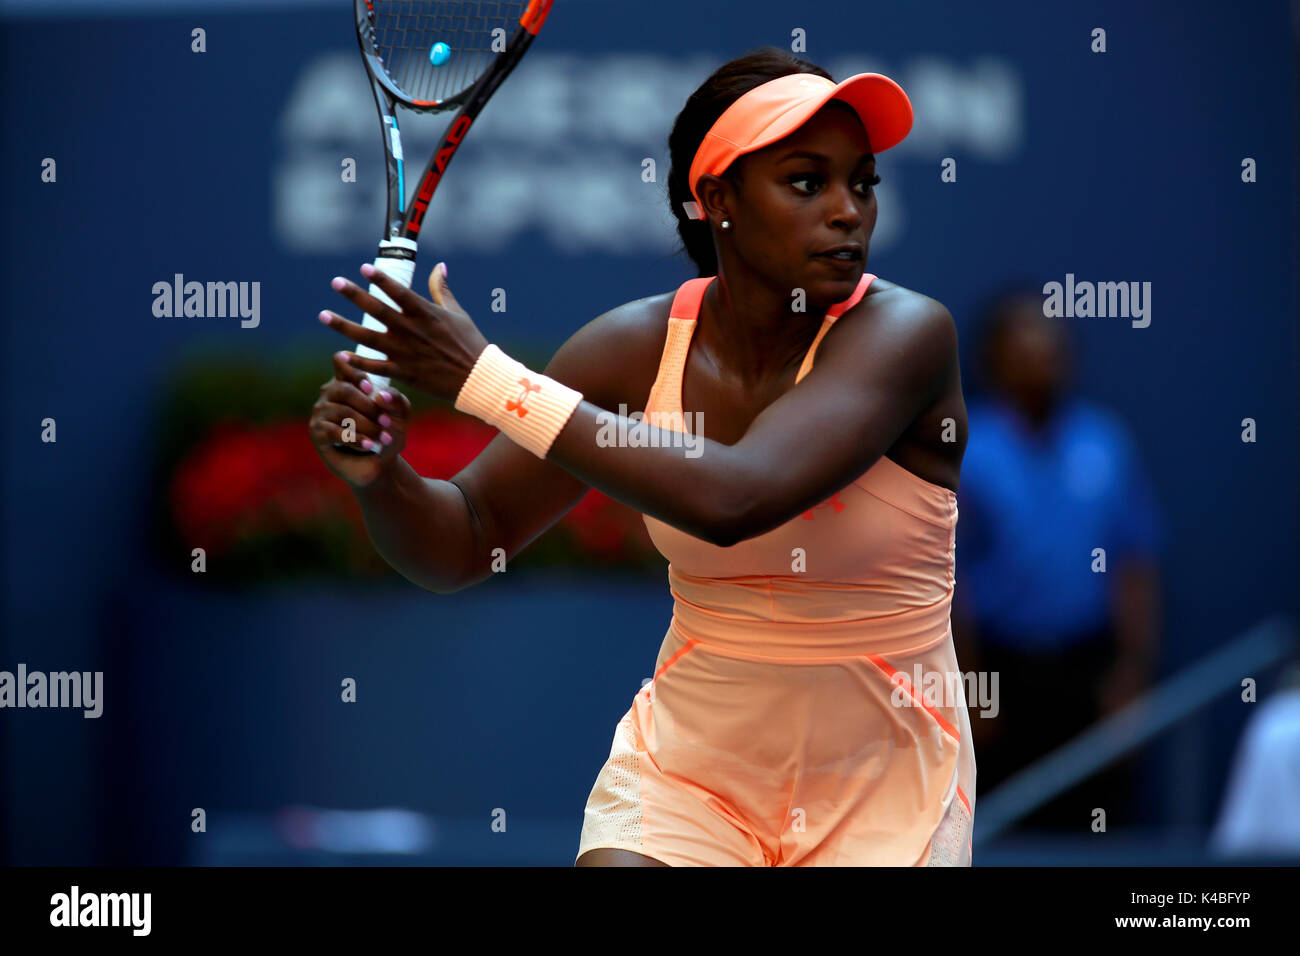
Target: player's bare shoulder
point(911, 338)
point(885, 298)
point(614, 358)
point(892, 319)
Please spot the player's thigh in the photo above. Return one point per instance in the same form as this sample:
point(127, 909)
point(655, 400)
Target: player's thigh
point(608, 856)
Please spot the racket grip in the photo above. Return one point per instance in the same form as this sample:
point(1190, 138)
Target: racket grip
point(396, 258)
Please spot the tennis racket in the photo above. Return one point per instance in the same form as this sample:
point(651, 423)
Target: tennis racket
point(432, 57)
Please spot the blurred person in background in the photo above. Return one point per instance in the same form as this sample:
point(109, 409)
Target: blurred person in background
point(1048, 478)
point(1261, 807)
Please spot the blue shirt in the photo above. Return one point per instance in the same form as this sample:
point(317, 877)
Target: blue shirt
point(1031, 509)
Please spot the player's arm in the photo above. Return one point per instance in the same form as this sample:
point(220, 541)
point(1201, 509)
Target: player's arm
point(442, 534)
point(875, 373)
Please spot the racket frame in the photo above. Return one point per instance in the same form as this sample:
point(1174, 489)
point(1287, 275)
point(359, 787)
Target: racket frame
point(397, 250)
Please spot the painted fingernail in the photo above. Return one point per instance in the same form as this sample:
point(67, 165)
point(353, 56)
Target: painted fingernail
point(385, 420)
point(324, 317)
point(366, 386)
point(368, 445)
point(386, 438)
point(338, 282)
point(345, 357)
point(368, 270)
point(386, 396)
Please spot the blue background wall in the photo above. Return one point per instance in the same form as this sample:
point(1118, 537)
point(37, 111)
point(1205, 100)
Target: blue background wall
point(1123, 166)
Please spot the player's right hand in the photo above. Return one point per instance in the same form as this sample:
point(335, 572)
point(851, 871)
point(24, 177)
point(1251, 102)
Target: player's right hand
point(345, 397)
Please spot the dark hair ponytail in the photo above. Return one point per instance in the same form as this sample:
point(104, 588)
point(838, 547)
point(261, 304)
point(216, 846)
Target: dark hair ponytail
point(728, 83)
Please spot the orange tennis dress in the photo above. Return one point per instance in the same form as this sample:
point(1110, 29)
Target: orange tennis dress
point(806, 708)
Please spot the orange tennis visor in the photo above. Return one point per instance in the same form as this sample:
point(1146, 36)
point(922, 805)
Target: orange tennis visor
point(775, 109)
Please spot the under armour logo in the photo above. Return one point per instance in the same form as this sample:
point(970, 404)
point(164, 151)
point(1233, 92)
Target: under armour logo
point(833, 501)
point(517, 404)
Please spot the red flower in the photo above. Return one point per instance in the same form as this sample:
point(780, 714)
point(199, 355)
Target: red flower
point(246, 480)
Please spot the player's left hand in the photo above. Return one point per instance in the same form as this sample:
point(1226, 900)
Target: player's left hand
point(430, 346)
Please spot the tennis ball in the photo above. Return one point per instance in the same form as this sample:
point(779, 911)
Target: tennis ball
point(439, 54)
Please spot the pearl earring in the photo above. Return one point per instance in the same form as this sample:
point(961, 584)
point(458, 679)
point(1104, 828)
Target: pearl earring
point(726, 224)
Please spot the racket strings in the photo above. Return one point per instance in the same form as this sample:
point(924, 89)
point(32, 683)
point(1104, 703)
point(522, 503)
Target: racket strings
point(403, 34)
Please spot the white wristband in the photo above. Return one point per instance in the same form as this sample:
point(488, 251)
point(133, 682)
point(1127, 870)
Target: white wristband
point(528, 407)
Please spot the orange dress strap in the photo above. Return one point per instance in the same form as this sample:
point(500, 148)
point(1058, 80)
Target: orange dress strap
point(838, 309)
point(666, 394)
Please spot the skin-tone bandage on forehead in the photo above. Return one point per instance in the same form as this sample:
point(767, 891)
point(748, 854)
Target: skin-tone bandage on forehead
point(775, 109)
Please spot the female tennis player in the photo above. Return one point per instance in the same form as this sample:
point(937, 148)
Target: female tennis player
point(802, 710)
